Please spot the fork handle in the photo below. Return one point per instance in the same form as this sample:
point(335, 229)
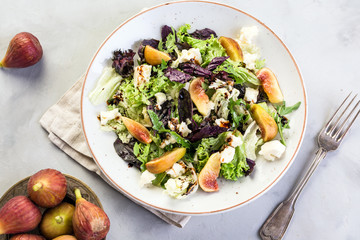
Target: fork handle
point(275, 226)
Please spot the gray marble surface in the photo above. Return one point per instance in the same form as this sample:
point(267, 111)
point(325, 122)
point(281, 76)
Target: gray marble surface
point(323, 36)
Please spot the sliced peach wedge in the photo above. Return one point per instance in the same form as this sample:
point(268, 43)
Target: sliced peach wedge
point(137, 130)
point(270, 85)
point(209, 174)
point(154, 56)
point(266, 123)
point(165, 161)
point(232, 49)
point(199, 97)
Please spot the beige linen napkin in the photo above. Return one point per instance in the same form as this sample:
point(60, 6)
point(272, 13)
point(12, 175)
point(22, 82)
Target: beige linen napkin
point(63, 122)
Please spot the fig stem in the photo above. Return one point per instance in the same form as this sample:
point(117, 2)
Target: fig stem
point(37, 186)
point(58, 219)
point(77, 193)
point(1, 65)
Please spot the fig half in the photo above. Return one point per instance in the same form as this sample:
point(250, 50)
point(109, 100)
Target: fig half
point(199, 97)
point(266, 123)
point(137, 130)
point(209, 173)
point(18, 215)
point(270, 85)
point(154, 56)
point(47, 188)
point(57, 221)
point(232, 48)
point(165, 161)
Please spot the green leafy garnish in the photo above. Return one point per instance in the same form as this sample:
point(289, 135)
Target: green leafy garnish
point(281, 121)
point(159, 126)
point(238, 72)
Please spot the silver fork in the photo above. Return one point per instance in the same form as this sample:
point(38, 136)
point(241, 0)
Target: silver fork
point(329, 139)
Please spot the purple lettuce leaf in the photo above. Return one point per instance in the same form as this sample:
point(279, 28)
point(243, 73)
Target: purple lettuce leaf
point(177, 76)
point(165, 111)
point(185, 105)
point(165, 31)
point(203, 34)
point(251, 164)
point(222, 75)
point(195, 70)
point(126, 152)
point(151, 42)
point(216, 61)
point(123, 62)
point(206, 132)
point(183, 46)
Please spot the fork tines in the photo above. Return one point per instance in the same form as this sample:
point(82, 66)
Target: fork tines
point(335, 126)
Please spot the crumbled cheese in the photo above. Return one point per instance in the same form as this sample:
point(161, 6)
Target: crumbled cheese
point(251, 94)
point(251, 52)
point(142, 74)
point(169, 140)
point(177, 170)
point(227, 155)
point(109, 115)
point(217, 84)
point(191, 55)
point(160, 99)
point(177, 187)
point(271, 150)
point(234, 141)
point(183, 129)
point(146, 178)
point(222, 122)
point(247, 34)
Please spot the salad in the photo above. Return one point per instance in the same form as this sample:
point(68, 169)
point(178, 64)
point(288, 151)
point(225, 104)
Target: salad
point(192, 107)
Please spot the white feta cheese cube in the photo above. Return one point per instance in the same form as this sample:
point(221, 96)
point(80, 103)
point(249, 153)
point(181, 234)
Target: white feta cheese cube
point(183, 129)
point(146, 178)
point(177, 170)
point(272, 150)
point(227, 155)
point(109, 115)
point(160, 99)
point(251, 94)
point(142, 74)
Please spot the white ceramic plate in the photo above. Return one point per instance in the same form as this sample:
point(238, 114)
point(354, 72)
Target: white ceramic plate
point(226, 21)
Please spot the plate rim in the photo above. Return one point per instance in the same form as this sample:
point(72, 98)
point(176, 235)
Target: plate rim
point(142, 202)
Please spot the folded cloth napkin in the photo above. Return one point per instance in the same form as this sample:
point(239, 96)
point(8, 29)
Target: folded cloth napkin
point(63, 122)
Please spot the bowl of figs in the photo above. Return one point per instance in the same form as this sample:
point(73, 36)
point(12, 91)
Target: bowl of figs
point(52, 205)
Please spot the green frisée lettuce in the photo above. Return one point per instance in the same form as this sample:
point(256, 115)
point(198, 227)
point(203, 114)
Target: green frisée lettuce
point(209, 48)
point(240, 74)
point(237, 167)
point(106, 86)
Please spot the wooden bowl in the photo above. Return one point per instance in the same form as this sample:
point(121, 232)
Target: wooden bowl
point(20, 188)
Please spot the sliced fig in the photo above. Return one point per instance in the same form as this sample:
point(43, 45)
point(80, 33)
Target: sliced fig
point(209, 174)
point(165, 162)
point(270, 85)
point(154, 56)
point(199, 97)
point(266, 123)
point(137, 130)
point(232, 49)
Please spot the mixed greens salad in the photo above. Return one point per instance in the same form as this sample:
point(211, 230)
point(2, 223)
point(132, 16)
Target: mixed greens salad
point(191, 107)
